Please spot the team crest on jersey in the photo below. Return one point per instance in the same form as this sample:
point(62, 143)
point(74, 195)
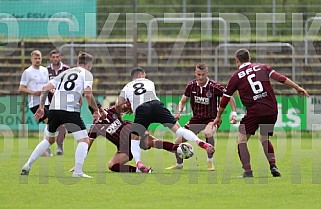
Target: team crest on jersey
point(209, 94)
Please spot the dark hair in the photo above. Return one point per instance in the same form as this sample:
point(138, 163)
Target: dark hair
point(84, 58)
point(136, 70)
point(54, 51)
point(201, 66)
point(98, 105)
point(243, 55)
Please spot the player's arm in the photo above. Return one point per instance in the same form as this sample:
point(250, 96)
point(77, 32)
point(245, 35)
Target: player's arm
point(181, 105)
point(91, 102)
point(24, 90)
point(225, 100)
point(43, 96)
point(119, 104)
point(283, 79)
point(233, 118)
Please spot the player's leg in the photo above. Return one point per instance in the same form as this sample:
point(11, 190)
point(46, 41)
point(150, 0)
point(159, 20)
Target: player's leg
point(190, 136)
point(45, 120)
point(266, 130)
point(75, 125)
point(248, 126)
point(209, 132)
point(244, 154)
point(60, 140)
point(179, 161)
point(118, 161)
point(141, 122)
point(49, 138)
point(165, 117)
point(80, 153)
point(137, 152)
point(38, 151)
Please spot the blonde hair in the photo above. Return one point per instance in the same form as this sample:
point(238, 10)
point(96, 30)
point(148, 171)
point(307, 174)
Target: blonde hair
point(35, 53)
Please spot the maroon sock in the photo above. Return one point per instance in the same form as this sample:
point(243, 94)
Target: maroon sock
point(123, 168)
point(244, 156)
point(61, 136)
point(168, 146)
point(269, 152)
point(212, 142)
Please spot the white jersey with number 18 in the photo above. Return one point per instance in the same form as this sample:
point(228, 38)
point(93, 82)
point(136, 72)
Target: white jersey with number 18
point(139, 91)
point(69, 89)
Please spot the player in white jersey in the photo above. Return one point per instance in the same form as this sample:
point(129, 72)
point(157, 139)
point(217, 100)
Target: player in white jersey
point(31, 83)
point(149, 109)
point(65, 109)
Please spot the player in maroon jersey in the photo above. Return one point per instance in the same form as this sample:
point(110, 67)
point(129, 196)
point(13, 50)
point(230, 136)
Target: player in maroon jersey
point(118, 132)
point(204, 95)
point(253, 84)
point(55, 68)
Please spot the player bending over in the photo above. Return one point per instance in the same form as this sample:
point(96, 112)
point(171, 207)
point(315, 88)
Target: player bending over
point(118, 132)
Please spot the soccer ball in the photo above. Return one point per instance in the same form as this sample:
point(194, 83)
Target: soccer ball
point(185, 150)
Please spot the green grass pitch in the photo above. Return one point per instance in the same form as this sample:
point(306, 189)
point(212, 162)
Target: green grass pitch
point(49, 184)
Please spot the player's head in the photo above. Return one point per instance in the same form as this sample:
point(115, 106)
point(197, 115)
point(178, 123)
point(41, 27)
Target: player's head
point(98, 105)
point(36, 58)
point(55, 57)
point(85, 60)
point(242, 56)
point(137, 72)
point(201, 73)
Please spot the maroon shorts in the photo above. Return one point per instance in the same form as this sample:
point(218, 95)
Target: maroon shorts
point(249, 124)
point(197, 125)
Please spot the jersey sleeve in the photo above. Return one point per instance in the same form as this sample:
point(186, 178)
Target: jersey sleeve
point(231, 86)
point(24, 79)
point(88, 80)
point(56, 80)
point(123, 92)
point(219, 90)
point(187, 91)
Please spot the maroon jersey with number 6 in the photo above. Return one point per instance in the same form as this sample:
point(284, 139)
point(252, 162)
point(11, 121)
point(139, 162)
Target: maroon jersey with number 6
point(253, 84)
point(204, 100)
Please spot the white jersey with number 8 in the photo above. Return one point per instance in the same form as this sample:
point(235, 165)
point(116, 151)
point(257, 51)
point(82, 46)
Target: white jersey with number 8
point(139, 91)
point(69, 89)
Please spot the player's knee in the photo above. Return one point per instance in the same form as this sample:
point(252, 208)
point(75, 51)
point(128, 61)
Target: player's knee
point(86, 140)
point(51, 140)
point(144, 143)
point(114, 167)
point(208, 135)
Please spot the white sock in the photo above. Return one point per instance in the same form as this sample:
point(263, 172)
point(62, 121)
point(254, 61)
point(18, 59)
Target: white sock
point(179, 165)
point(80, 155)
point(187, 134)
point(45, 131)
point(210, 160)
point(136, 151)
point(37, 152)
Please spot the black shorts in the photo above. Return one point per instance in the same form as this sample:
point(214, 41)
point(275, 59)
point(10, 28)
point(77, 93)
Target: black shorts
point(46, 111)
point(72, 121)
point(152, 112)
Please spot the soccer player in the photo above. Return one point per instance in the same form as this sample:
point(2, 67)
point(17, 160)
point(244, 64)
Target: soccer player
point(31, 83)
point(55, 68)
point(118, 132)
point(149, 109)
point(204, 95)
point(65, 109)
point(253, 84)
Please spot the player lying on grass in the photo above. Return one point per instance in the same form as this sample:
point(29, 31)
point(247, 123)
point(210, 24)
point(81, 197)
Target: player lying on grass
point(118, 132)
